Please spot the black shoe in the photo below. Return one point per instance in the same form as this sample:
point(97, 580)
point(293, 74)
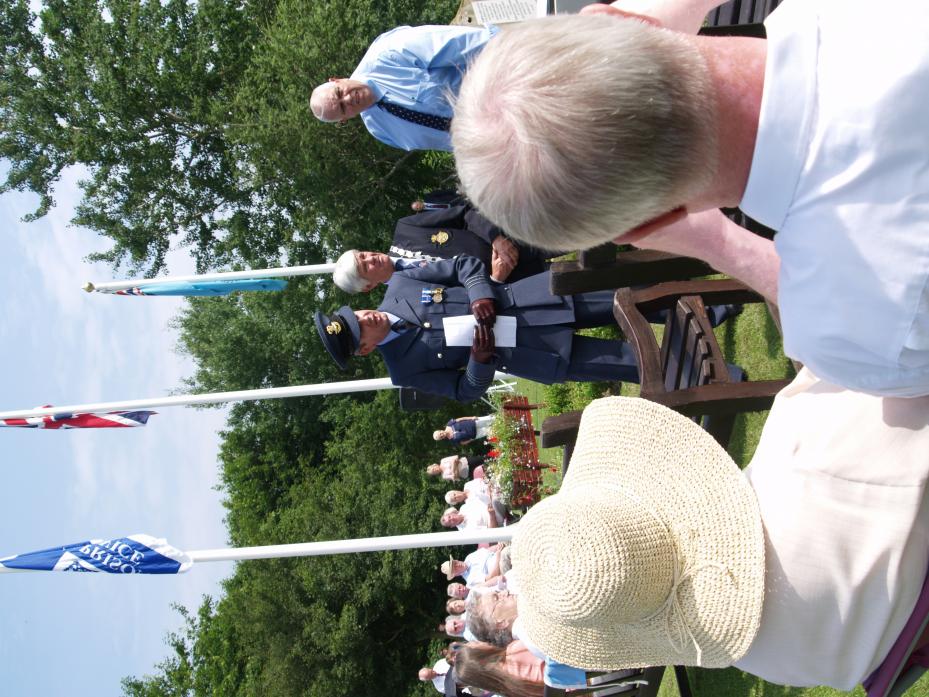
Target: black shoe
point(717, 314)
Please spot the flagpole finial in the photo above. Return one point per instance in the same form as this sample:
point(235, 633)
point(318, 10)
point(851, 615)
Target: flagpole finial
point(89, 287)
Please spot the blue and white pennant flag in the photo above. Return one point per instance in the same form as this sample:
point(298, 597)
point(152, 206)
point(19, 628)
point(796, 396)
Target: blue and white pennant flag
point(134, 554)
point(202, 288)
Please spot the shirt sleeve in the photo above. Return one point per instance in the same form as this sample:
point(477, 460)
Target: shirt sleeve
point(461, 271)
point(441, 46)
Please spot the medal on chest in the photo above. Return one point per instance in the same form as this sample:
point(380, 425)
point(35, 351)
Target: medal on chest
point(432, 295)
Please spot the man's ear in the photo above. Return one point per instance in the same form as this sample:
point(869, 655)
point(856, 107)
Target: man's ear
point(364, 349)
point(598, 9)
point(648, 227)
point(369, 286)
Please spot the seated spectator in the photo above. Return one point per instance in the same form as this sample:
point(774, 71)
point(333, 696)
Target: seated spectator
point(454, 625)
point(456, 468)
point(455, 606)
point(477, 492)
point(464, 429)
point(457, 590)
point(505, 670)
point(490, 615)
point(473, 515)
point(802, 569)
point(511, 670)
point(476, 489)
point(480, 566)
point(436, 674)
point(731, 122)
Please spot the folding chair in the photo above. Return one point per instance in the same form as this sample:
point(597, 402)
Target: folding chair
point(688, 372)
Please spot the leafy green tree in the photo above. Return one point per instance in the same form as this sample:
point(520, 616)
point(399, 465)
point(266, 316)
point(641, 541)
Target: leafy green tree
point(192, 121)
point(138, 92)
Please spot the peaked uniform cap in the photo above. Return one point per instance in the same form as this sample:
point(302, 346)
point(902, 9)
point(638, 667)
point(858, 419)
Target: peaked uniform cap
point(652, 552)
point(339, 333)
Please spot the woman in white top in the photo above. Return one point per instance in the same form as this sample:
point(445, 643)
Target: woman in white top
point(455, 468)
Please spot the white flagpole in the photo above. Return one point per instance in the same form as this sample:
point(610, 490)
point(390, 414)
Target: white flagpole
point(364, 544)
point(313, 390)
point(282, 271)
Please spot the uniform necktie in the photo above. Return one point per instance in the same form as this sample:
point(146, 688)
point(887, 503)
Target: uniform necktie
point(439, 123)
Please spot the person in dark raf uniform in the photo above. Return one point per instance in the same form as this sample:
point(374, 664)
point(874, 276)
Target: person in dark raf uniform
point(458, 228)
point(408, 332)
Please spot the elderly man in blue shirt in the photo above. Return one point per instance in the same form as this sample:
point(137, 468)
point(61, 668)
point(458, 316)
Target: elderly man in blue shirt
point(400, 88)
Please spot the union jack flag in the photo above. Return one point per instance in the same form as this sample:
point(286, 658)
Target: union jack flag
point(110, 419)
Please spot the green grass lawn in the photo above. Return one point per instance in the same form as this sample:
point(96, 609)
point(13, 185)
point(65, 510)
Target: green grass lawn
point(751, 341)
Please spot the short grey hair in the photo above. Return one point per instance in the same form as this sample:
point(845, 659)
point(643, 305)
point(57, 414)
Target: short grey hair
point(481, 623)
point(572, 130)
point(346, 275)
point(317, 96)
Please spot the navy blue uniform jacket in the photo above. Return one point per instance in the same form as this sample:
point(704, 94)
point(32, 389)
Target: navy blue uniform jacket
point(459, 229)
point(419, 357)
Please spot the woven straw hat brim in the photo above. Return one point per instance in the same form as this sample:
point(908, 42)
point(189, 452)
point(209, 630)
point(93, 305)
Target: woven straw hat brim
point(642, 475)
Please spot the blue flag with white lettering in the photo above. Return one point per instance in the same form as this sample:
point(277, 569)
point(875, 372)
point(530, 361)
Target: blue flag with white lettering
point(134, 554)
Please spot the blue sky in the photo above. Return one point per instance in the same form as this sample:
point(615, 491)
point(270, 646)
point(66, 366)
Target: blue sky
point(78, 634)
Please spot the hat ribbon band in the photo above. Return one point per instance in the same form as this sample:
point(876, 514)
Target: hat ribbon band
point(672, 604)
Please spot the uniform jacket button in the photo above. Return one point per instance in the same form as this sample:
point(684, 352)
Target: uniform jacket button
point(427, 325)
point(438, 355)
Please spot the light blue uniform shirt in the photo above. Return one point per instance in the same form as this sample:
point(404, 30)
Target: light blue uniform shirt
point(417, 67)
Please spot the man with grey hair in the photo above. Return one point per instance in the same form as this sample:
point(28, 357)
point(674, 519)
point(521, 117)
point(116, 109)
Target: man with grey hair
point(361, 272)
point(805, 132)
point(401, 86)
point(438, 234)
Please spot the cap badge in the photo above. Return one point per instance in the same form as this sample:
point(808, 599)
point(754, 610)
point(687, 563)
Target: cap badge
point(333, 328)
point(440, 238)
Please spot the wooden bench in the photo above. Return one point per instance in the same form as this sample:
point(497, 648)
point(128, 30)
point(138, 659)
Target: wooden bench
point(687, 372)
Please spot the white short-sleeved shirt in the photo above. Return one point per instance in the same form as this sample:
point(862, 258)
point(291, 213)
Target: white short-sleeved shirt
point(477, 489)
point(840, 478)
point(441, 667)
point(841, 171)
point(479, 563)
point(476, 515)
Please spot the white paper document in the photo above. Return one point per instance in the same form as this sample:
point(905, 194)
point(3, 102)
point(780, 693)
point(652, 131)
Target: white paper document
point(503, 11)
point(459, 331)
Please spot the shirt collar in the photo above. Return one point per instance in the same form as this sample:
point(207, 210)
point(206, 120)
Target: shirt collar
point(392, 334)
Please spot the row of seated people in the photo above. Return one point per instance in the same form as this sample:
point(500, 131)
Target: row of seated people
point(493, 655)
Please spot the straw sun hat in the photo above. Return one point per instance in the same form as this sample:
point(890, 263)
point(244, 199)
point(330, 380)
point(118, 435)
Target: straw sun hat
point(652, 552)
point(448, 567)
